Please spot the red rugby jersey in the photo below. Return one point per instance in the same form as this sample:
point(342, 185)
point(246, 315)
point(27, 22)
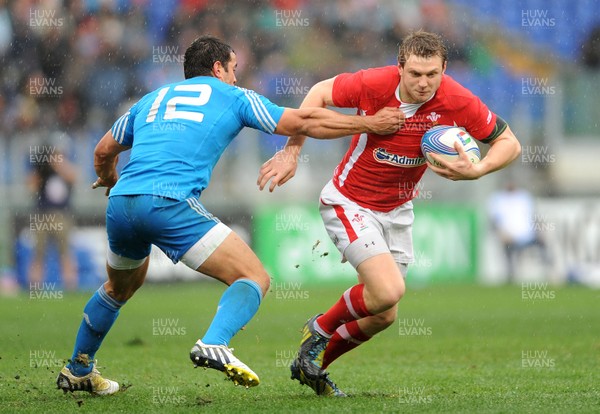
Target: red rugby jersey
point(380, 172)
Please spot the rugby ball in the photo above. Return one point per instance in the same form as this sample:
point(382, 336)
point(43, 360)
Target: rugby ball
point(440, 140)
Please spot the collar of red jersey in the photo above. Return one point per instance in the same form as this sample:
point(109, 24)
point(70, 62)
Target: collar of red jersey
point(404, 103)
point(410, 109)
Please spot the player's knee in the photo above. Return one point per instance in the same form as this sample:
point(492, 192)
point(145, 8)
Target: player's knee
point(119, 292)
point(400, 291)
point(385, 298)
point(122, 284)
point(258, 275)
point(390, 298)
point(385, 319)
point(264, 281)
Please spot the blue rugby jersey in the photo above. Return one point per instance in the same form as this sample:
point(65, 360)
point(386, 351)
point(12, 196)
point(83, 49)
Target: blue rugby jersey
point(179, 131)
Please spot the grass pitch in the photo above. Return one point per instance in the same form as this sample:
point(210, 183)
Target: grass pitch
point(454, 349)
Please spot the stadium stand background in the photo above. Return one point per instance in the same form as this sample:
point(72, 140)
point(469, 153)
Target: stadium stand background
point(73, 67)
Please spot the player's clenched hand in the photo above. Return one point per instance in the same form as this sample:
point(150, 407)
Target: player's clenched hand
point(107, 182)
point(460, 169)
point(387, 121)
point(278, 169)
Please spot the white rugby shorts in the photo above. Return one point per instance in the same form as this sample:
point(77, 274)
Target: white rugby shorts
point(360, 233)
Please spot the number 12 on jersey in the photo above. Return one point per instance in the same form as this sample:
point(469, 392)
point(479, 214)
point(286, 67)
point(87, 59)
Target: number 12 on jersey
point(171, 112)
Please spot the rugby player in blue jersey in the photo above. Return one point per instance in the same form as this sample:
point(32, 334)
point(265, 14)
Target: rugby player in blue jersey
point(207, 111)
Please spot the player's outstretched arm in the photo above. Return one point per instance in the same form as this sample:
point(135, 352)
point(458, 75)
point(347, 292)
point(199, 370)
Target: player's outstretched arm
point(323, 123)
point(282, 166)
point(106, 156)
point(503, 150)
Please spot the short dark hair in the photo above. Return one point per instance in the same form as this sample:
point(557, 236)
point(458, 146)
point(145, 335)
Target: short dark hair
point(203, 53)
point(422, 44)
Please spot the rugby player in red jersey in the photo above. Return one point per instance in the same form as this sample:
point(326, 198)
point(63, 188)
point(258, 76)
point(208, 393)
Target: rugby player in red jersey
point(366, 207)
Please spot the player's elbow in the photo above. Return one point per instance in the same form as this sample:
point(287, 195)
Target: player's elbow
point(515, 148)
point(107, 148)
point(102, 149)
point(100, 152)
point(518, 149)
point(320, 95)
point(514, 142)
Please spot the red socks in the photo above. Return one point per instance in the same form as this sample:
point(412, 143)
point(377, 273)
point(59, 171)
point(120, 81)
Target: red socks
point(346, 338)
point(350, 307)
point(340, 323)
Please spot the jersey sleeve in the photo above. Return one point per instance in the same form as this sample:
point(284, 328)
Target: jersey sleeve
point(258, 112)
point(122, 129)
point(347, 90)
point(477, 118)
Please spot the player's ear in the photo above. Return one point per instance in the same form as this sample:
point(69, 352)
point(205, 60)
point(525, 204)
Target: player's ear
point(444, 66)
point(218, 70)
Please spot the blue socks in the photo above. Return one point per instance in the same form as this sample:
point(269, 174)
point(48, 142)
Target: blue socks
point(237, 306)
point(99, 314)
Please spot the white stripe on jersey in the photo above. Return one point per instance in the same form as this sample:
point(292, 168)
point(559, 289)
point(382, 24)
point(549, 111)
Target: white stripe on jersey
point(262, 108)
point(119, 128)
point(123, 129)
point(360, 147)
point(260, 111)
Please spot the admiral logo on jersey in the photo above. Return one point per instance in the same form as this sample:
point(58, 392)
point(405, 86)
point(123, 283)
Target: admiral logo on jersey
point(381, 155)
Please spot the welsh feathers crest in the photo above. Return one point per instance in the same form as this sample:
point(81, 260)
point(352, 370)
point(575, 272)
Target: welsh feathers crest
point(434, 117)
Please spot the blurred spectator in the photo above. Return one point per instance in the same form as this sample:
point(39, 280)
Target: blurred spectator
point(512, 213)
point(591, 49)
point(51, 180)
point(5, 28)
